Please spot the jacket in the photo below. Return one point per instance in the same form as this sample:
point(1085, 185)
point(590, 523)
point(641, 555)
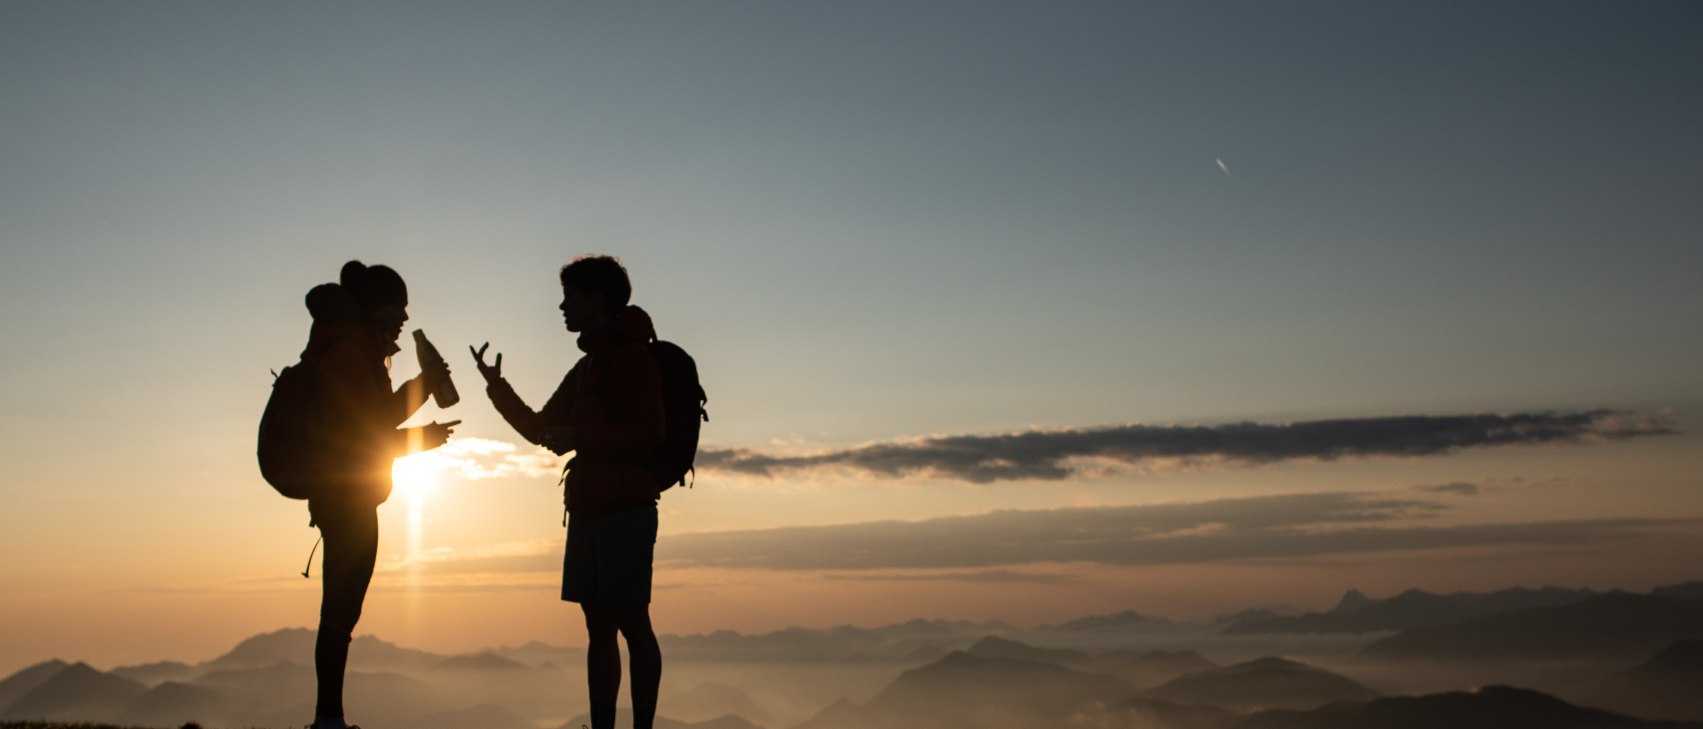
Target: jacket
point(612, 398)
point(359, 415)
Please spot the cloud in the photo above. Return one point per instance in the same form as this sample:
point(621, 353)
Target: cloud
point(1295, 525)
point(530, 556)
point(481, 458)
point(994, 576)
point(1458, 488)
point(1058, 454)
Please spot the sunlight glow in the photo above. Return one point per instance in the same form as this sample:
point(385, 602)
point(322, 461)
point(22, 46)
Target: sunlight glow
point(415, 476)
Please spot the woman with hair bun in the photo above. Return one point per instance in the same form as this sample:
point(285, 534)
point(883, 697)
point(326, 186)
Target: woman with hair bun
point(356, 325)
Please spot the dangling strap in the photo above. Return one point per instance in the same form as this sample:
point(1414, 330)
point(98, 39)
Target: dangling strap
point(310, 555)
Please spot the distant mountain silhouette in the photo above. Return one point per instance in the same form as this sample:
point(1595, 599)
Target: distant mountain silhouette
point(1684, 658)
point(843, 714)
point(291, 645)
point(1254, 614)
point(1356, 613)
point(1145, 713)
point(391, 696)
point(296, 646)
point(1264, 683)
point(1151, 668)
point(16, 685)
point(1668, 686)
point(1682, 591)
point(962, 690)
point(711, 700)
point(898, 642)
point(280, 684)
point(172, 704)
point(967, 674)
point(1614, 626)
point(266, 695)
point(1117, 621)
point(281, 694)
point(1494, 707)
point(926, 654)
point(534, 693)
point(993, 646)
point(1353, 601)
point(483, 716)
point(149, 674)
point(625, 718)
point(538, 653)
point(486, 661)
point(76, 693)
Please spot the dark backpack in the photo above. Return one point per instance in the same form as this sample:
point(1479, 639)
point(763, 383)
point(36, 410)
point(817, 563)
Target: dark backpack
point(683, 401)
point(289, 447)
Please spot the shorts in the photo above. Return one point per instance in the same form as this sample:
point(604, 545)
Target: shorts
point(608, 561)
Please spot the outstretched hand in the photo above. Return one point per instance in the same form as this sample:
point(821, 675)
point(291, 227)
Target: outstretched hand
point(433, 435)
point(491, 372)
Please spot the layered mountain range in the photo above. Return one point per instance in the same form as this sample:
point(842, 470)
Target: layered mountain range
point(1631, 660)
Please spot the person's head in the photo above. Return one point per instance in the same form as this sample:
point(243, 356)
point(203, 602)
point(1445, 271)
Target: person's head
point(380, 294)
point(595, 289)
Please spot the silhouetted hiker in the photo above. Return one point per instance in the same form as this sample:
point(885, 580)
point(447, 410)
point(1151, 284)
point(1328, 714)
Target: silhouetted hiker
point(609, 411)
point(356, 324)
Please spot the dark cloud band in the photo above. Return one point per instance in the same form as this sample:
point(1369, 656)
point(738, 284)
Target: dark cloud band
point(1049, 454)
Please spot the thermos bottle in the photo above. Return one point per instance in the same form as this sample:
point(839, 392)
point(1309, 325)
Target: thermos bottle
point(444, 393)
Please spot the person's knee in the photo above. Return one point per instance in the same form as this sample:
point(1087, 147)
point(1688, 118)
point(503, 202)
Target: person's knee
point(600, 620)
point(339, 620)
point(634, 621)
point(336, 628)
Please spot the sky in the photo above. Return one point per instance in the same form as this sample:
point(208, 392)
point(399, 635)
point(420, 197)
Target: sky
point(1005, 310)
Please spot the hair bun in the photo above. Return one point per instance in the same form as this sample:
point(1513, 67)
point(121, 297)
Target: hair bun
point(352, 274)
point(329, 302)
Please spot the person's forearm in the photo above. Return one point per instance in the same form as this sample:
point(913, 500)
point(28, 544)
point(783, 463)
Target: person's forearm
point(408, 440)
point(515, 411)
point(409, 397)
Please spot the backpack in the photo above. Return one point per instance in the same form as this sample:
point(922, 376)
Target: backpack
point(289, 442)
point(683, 401)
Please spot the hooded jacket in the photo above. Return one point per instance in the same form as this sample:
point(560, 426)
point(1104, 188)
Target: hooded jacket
point(613, 400)
point(358, 414)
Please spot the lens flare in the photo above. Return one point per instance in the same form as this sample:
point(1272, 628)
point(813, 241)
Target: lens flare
point(415, 476)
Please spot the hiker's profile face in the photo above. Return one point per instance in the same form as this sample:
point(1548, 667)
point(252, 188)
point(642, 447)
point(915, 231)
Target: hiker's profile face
point(389, 321)
point(581, 309)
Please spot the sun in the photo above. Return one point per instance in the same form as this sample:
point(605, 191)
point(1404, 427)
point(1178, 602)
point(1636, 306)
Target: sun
point(415, 476)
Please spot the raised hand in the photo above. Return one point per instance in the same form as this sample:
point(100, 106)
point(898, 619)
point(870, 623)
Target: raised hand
point(491, 372)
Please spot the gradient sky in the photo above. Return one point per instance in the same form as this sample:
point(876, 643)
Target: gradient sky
point(871, 223)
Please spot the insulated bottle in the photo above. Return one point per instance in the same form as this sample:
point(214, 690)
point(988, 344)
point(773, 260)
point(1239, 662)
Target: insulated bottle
point(444, 393)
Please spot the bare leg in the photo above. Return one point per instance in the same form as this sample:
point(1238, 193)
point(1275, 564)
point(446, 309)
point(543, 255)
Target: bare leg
point(644, 658)
point(602, 663)
point(351, 547)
